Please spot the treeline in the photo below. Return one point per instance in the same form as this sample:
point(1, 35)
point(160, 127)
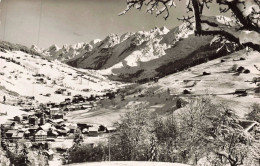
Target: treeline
point(201, 133)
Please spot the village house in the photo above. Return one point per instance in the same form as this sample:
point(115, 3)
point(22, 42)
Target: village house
point(49, 153)
point(62, 132)
point(33, 120)
point(110, 129)
point(33, 130)
point(60, 91)
point(241, 92)
point(9, 134)
point(46, 127)
point(78, 98)
point(18, 135)
point(67, 100)
point(62, 104)
point(82, 126)
point(40, 81)
point(25, 116)
point(65, 109)
point(78, 106)
point(40, 114)
point(54, 111)
point(57, 121)
point(93, 131)
point(58, 116)
point(52, 133)
point(72, 128)
point(9, 125)
point(71, 107)
point(40, 136)
point(17, 119)
point(102, 128)
point(27, 134)
point(50, 104)
point(42, 121)
point(86, 106)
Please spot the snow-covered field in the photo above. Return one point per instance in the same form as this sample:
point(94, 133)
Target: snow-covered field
point(11, 111)
point(21, 78)
point(220, 83)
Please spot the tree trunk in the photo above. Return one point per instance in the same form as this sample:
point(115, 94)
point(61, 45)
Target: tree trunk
point(196, 11)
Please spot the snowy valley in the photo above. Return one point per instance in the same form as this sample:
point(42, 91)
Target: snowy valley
point(82, 91)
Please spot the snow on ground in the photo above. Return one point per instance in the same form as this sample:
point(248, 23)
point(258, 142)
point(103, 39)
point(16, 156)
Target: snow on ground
point(128, 163)
point(102, 116)
point(220, 83)
point(21, 78)
point(11, 111)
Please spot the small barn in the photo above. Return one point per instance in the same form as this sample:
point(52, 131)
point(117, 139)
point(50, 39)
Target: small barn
point(17, 119)
point(49, 153)
point(241, 92)
point(93, 131)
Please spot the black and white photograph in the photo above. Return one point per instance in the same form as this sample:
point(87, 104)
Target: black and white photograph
point(130, 82)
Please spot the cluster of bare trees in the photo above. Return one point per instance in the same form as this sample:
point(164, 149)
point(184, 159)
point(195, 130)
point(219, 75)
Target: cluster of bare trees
point(245, 14)
point(202, 133)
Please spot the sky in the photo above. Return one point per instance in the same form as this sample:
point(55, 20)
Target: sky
point(47, 22)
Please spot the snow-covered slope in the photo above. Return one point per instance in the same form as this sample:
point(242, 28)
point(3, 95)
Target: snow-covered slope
point(30, 75)
point(220, 82)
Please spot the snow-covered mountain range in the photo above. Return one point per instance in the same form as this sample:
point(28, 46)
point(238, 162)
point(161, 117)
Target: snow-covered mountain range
point(142, 55)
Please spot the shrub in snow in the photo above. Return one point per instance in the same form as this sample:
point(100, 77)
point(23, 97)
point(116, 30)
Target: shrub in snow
point(247, 71)
point(240, 69)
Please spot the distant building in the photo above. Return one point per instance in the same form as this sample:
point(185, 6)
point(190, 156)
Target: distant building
point(49, 153)
point(73, 129)
point(27, 134)
point(42, 121)
point(86, 106)
point(58, 116)
point(110, 129)
point(62, 132)
point(67, 100)
point(52, 134)
point(93, 131)
point(9, 125)
point(9, 134)
point(17, 119)
point(71, 107)
point(46, 127)
point(58, 121)
point(17, 136)
point(54, 111)
point(33, 120)
point(33, 130)
point(241, 92)
point(40, 136)
point(25, 116)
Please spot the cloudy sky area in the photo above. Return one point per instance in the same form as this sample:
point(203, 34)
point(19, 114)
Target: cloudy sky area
point(73, 21)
